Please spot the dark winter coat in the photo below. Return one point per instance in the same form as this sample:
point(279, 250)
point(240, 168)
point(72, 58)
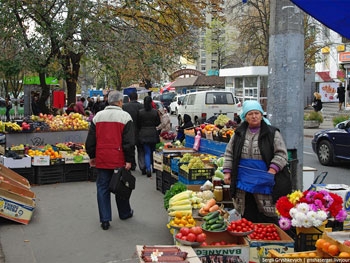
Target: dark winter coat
point(147, 122)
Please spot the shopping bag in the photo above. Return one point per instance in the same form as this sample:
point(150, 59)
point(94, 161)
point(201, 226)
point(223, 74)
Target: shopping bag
point(122, 183)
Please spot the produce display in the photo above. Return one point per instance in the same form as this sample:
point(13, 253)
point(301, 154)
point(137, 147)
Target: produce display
point(214, 222)
point(182, 219)
point(174, 190)
point(193, 235)
point(47, 122)
point(210, 206)
point(264, 232)
point(46, 151)
point(241, 227)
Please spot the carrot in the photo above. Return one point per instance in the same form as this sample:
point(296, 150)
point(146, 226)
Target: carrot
point(214, 208)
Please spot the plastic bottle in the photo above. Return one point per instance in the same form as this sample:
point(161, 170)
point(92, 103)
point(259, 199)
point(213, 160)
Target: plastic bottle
point(197, 141)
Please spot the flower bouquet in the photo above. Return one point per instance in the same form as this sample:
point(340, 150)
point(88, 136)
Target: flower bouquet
point(309, 208)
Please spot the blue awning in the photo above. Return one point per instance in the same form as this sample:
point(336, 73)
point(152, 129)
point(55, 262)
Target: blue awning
point(335, 14)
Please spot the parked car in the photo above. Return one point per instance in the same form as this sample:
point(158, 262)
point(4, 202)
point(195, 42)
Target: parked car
point(174, 105)
point(332, 145)
point(202, 105)
point(166, 98)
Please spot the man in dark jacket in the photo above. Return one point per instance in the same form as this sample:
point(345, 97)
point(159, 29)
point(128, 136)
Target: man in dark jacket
point(133, 107)
point(109, 146)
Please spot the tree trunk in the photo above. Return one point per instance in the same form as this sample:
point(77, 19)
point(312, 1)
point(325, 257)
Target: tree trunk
point(72, 66)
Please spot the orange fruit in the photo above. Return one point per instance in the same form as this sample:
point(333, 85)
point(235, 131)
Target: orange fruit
point(325, 246)
point(344, 255)
point(319, 242)
point(333, 250)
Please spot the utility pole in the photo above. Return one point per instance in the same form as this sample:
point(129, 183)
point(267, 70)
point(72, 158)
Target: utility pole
point(285, 105)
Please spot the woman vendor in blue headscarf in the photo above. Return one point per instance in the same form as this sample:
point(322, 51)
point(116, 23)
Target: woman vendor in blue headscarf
point(255, 154)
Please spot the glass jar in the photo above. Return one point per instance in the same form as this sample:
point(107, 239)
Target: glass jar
point(226, 192)
point(216, 182)
point(218, 193)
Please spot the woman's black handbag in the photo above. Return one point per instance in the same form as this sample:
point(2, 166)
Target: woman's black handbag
point(122, 183)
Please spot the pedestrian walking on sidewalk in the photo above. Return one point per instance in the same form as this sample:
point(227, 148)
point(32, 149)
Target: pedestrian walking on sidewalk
point(110, 146)
point(317, 103)
point(341, 95)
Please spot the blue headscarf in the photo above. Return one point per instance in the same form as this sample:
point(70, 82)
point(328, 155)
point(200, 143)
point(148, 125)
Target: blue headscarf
point(250, 105)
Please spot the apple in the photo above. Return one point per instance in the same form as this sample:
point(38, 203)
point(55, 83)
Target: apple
point(347, 243)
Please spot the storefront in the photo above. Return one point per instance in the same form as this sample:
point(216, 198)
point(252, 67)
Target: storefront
point(247, 83)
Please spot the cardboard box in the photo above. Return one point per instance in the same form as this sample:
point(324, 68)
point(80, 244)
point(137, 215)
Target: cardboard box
point(191, 254)
point(7, 186)
point(260, 248)
point(7, 175)
point(338, 238)
point(41, 160)
point(16, 207)
point(237, 249)
point(24, 162)
point(69, 158)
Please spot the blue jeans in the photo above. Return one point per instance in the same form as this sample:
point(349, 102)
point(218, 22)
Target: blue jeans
point(104, 197)
point(148, 148)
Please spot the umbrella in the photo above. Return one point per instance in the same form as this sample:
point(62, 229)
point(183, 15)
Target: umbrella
point(167, 87)
point(332, 13)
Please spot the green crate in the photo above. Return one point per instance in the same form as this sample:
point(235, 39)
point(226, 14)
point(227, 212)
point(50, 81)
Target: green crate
point(197, 174)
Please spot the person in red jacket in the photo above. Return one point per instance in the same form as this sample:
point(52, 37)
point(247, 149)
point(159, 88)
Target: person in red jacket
point(110, 146)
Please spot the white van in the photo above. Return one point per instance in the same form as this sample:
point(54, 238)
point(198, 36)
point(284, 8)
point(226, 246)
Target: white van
point(202, 105)
point(174, 105)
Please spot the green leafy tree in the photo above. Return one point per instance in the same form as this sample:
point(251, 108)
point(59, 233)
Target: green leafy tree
point(115, 33)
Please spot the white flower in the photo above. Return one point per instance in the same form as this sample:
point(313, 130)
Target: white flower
point(303, 208)
point(321, 215)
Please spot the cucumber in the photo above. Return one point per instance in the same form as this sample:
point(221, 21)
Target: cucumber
point(212, 221)
point(217, 226)
point(219, 221)
point(211, 215)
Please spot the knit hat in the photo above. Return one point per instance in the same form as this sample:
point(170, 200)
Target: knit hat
point(250, 105)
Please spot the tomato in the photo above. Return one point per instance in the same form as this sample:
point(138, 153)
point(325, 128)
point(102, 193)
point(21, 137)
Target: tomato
point(178, 235)
point(201, 237)
point(196, 230)
point(222, 243)
point(184, 238)
point(184, 231)
point(229, 228)
point(204, 244)
point(191, 237)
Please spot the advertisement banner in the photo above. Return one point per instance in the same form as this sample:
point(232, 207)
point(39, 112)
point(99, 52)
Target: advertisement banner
point(327, 91)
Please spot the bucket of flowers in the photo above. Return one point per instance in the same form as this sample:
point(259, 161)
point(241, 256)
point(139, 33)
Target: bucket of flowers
point(309, 210)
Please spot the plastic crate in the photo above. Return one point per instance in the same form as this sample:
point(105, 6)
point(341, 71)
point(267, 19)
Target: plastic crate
point(27, 173)
point(168, 156)
point(305, 242)
point(166, 181)
point(190, 182)
point(197, 174)
point(49, 174)
point(76, 172)
point(174, 164)
point(159, 181)
point(207, 146)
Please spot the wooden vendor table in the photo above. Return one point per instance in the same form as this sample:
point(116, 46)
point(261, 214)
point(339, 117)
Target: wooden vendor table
point(43, 138)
